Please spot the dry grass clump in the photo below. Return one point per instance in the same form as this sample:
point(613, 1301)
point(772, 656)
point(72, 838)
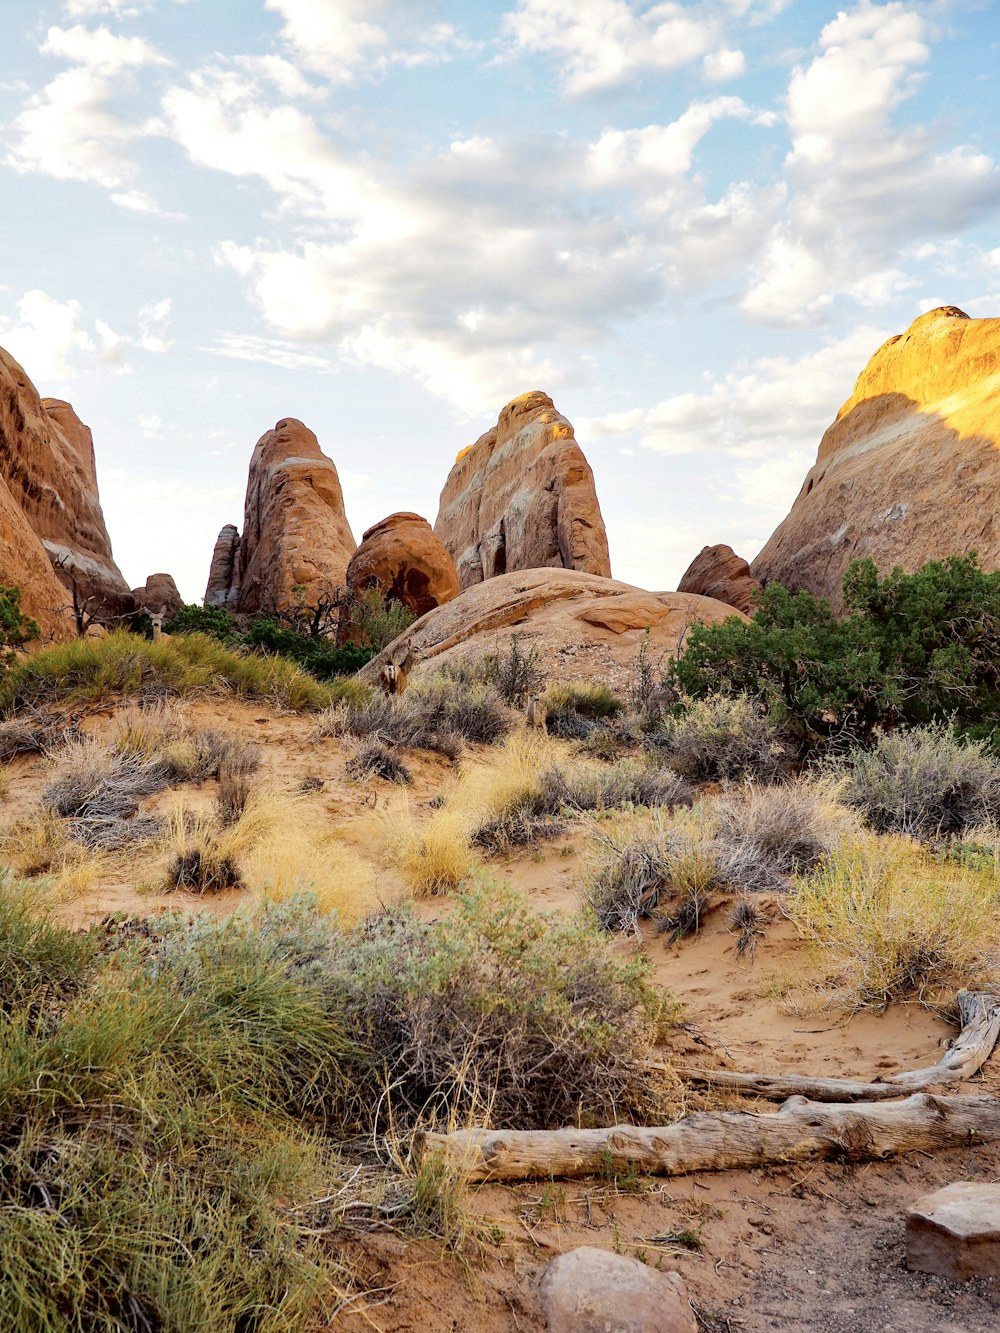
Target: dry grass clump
point(499, 1014)
point(374, 760)
point(574, 707)
point(762, 836)
point(899, 923)
point(121, 663)
point(435, 856)
point(924, 782)
point(722, 739)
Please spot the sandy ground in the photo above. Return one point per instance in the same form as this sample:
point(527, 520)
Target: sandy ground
point(804, 1248)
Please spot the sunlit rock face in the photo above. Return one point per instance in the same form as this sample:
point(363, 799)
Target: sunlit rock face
point(52, 531)
point(401, 558)
point(910, 469)
point(296, 542)
point(523, 497)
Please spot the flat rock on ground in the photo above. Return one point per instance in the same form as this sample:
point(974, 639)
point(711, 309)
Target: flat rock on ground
point(955, 1232)
point(595, 1291)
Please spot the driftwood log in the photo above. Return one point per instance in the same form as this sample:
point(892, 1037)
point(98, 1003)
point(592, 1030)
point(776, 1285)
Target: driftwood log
point(800, 1131)
point(980, 1016)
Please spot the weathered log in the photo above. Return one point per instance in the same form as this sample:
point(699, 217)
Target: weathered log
point(801, 1130)
point(980, 1015)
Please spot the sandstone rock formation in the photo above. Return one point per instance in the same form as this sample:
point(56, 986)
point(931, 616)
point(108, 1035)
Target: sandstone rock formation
point(589, 1290)
point(955, 1232)
point(583, 626)
point(717, 571)
point(296, 541)
point(223, 577)
point(403, 558)
point(48, 477)
point(159, 593)
point(910, 469)
point(522, 497)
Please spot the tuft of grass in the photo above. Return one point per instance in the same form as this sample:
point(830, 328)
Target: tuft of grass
point(86, 670)
point(899, 924)
point(435, 856)
point(574, 707)
point(373, 760)
point(925, 782)
point(722, 738)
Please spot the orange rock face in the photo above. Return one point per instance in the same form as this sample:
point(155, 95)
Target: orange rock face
point(584, 627)
point(523, 497)
point(223, 577)
point(403, 558)
point(717, 571)
point(910, 469)
point(159, 593)
point(49, 478)
point(296, 542)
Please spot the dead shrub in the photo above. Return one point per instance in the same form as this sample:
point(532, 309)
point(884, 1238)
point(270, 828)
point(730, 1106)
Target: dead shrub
point(722, 739)
point(374, 760)
point(437, 713)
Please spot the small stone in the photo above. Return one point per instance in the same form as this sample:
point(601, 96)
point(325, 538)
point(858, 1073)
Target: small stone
point(594, 1291)
point(955, 1232)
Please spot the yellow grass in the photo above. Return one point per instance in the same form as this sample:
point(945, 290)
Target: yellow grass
point(898, 921)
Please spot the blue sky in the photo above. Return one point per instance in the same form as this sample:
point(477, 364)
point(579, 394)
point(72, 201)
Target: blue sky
point(691, 224)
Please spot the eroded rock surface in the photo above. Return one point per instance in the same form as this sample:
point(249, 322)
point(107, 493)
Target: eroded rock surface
point(223, 587)
point(402, 557)
point(523, 497)
point(955, 1232)
point(910, 469)
point(49, 479)
point(589, 1290)
point(583, 626)
point(159, 593)
point(296, 542)
point(717, 571)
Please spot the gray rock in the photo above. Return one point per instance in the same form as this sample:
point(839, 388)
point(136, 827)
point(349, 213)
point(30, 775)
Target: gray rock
point(955, 1232)
point(594, 1291)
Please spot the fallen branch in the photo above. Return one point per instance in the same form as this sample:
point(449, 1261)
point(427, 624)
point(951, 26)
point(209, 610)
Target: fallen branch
point(800, 1131)
point(980, 1015)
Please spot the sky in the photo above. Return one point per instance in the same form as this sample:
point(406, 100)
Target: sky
point(690, 223)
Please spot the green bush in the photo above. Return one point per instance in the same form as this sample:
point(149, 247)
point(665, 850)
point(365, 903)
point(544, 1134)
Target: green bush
point(320, 657)
point(213, 620)
point(910, 649)
point(16, 628)
point(374, 620)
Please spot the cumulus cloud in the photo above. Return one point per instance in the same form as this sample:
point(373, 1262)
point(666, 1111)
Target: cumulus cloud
point(55, 341)
point(720, 66)
point(69, 129)
point(861, 189)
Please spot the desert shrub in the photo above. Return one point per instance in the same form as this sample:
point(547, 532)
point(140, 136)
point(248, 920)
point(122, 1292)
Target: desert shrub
point(897, 923)
point(437, 713)
point(16, 628)
point(374, 620)
point(319, 656)
point(619, 786)
point(722, 738)
point(499, 1013)
point(237, 768)
point(573, 707)
point(215, 621)
point(514, 672)
point(925, 782)
point(435, 856)
point(911, 649)
point(762, 836)
point(91, 782)
point(375, 761)
point(92, 669)
point(37, 957)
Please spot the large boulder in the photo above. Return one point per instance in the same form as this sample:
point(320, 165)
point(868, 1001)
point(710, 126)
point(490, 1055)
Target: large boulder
point(955, 1232)
point(717, 571)
point(48, 476)
point(910, 469)
point(158, 593)
point(404, 560)
point(523, 497)
point(223, 577)
point(296, 542)
point(589, 1290)
point(582, 626)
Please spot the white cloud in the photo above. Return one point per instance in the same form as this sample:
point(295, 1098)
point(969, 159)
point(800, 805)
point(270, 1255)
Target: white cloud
point(52, 341)
point(99, 49)
point(84, 9)
point(861, 190)
point(605, 43)
point(152, 327)
point(270, 351)
point(719, 66)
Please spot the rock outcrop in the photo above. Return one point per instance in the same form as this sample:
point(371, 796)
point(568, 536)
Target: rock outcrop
point(588, 1290)
point(48, 477)
point(717, 571)
point(910, 469)
point(584, 627)
point(159, 593)
point(403, 558)
point(223, 577)
point(523, 497)
point(296, 542)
